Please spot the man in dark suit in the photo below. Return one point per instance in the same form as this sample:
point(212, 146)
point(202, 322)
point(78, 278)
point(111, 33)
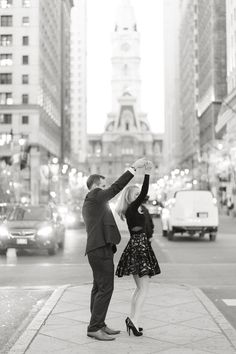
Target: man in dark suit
point(102, 237)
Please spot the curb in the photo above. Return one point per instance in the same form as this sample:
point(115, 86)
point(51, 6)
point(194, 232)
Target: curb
point(31, 331)
point(217, 316)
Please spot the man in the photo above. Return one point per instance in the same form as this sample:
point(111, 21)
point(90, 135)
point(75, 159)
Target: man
point(102, 237)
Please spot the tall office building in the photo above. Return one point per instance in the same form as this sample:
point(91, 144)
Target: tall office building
point(34, 86)
point(78, 82)
point(212, 66)
point(226, 124)
point(173, 123)
point(189, 82)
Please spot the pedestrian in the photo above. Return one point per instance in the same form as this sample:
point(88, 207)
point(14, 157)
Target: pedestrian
point(102, 237)
point(138, 257)
point(230, 205)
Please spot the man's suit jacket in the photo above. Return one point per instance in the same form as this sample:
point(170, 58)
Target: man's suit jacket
point(99, 221)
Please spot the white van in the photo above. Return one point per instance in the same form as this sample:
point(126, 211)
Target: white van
point(194, 212)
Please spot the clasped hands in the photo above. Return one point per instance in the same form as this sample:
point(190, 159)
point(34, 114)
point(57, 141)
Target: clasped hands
point(143, 162)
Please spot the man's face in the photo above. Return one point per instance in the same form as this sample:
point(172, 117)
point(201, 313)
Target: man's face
point(102, 183)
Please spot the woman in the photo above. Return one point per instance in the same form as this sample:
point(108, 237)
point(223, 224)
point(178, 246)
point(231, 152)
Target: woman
point(138, 257)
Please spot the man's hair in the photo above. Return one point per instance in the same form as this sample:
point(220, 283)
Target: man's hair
point(94, 179)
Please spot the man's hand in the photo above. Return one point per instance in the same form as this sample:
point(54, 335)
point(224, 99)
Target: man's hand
point(140, 163)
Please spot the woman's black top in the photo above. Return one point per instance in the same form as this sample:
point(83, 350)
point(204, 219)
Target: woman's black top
point(134, 215)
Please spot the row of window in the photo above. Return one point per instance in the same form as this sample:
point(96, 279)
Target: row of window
point(6, 4)
point(6, 59)
point(6, 79)
point(6, 118)
point(7, 21)
point(6, 98)
point(6, 40)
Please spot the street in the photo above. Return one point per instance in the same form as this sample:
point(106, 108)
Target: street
point(197, 262)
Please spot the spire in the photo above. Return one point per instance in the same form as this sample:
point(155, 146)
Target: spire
point(125, 20)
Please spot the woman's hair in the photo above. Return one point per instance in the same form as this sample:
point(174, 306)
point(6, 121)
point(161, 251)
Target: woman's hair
point(124, 201)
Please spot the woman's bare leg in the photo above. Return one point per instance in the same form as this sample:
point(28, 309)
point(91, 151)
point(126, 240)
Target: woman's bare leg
point(133, 300)
point(140, 297)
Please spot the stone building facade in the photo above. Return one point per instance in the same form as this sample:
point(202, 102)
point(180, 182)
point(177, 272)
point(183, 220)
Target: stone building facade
point(34, 91)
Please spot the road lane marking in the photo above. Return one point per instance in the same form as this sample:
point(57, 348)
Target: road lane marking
point(29, 287)
point(229, 302)
point(43, 264)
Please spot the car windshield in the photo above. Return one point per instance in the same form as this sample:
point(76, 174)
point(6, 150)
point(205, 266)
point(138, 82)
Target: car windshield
point(30, 214)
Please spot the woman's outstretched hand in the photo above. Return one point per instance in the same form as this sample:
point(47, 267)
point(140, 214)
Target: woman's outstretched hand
point(148, 167)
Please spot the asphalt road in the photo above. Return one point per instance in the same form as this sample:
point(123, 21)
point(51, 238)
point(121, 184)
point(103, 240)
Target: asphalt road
point(32, 275)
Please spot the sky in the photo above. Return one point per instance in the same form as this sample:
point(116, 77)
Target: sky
point(101, 16)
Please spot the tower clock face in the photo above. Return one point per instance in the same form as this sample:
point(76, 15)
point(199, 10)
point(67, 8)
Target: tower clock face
point(125, 47)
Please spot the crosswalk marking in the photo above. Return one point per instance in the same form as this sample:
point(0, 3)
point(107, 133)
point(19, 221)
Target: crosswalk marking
point(230, 302)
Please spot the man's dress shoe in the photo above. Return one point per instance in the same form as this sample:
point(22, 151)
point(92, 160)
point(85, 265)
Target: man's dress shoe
point(100, 335)
point(109, 331)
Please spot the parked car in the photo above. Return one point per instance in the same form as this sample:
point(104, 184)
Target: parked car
point(194, 212)
point(154, 207)
point(165, 214)
point(5, 209)
point(71, 216)
point(32, 227)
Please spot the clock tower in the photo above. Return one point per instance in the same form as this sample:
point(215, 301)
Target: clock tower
point(127, 134)
point(125, 55)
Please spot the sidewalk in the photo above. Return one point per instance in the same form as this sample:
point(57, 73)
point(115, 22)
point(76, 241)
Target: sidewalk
point(176, 320)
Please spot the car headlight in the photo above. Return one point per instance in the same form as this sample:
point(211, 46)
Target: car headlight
point(4, 231)
point(45, 231)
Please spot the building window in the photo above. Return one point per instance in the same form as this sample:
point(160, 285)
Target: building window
point(6, 40)
point(25, 79)
point(25, 21)
point(5, 59)
point(6, 21)
point(26, 3)
point(6, 98)
point(4, 4)
point(25, 98)
point(25, 119)
point(25, 59)
point(5, 118)
point(5, 79)
point(25, 40)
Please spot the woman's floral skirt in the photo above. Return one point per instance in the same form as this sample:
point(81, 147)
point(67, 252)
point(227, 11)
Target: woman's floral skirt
point(138, 258)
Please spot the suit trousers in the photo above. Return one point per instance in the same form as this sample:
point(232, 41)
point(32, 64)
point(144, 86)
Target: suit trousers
point(101, 262)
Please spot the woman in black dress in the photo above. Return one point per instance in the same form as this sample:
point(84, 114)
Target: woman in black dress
point(138, 257)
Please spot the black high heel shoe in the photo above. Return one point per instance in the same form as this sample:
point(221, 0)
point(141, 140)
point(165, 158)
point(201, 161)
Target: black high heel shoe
point(140, 328)
point(131, 326)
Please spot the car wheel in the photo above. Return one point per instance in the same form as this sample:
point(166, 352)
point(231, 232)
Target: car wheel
point(170, 235)
point(61, 244)
point(202, 234)
point(52, 250)
point(3, 252)
point(164, 233)
point(212, 237)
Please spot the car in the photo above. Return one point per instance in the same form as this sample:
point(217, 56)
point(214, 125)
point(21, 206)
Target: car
point(71, 216)
point(32, 227)
point(154, 207)
point(165, 214)
point(5, 209)
point(194, 212)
